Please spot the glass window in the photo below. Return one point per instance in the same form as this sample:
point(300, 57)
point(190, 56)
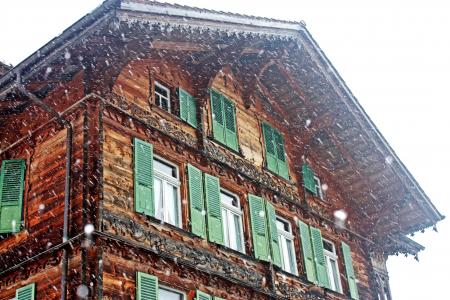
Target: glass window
point(232, 222)
point(331, 260)
point(166, 187)
point(169, 294)
point(318, 187)
point(286, 243)
point(162, 96)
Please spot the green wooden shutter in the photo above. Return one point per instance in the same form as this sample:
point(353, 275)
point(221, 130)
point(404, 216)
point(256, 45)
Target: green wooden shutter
point(230, 124)
point(271, 155)
point(214, 211)
point(192, 109)
point(273, 234)
point(319, 257)
point(307, 250)
point(143, 178)
point(26, 293)
point(202, 296)
point(308, 179)
point(11, 195)
point(217, 116)
point(281, 154)
point(259, 229)
point(350, 271)
point(188, 107)
point(146, 287)
point(183, 102)
point(196, 202)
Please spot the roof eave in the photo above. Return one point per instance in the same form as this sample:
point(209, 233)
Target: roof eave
point(431, 210)
point(58, 41)
point(210, 15)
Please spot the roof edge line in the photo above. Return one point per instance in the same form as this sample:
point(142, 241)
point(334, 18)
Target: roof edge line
point(189, 12)
point(437, 214)
point(57, 41)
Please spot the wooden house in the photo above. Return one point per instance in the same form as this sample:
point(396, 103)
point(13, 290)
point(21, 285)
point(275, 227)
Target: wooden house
point(157, 151)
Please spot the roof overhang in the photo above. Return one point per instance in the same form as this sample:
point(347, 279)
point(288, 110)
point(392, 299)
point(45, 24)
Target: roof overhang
point(188, 16)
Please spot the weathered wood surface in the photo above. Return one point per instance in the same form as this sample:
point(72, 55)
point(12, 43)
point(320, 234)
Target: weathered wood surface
point(103, 174)
point(43, 198)
point(120, 219)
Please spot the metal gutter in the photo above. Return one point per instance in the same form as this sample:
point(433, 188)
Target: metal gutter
point(67, 178)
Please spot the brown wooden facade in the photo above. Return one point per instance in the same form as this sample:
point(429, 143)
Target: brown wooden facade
point(99, 76)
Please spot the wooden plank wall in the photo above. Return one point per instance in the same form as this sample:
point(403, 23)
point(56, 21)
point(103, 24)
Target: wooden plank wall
point(133, 86)
point(43, 208)
point(46, 274)
point(16, 126)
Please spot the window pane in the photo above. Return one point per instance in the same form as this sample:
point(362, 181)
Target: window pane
point(291, 255)
point(158, 198)
point(227, 199)
point(232, 231)
point(161, 91)
point(238, 222)
point(284, 252)
point(171, 204)
point(232, 222)
point(164, 168)
point(164, 104)
point(169, 295)
point(335, 275)
point(226, 238)
point(282, 225)
point(328, 246)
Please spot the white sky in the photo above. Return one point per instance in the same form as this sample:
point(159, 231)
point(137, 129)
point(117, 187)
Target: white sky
point(394, 56)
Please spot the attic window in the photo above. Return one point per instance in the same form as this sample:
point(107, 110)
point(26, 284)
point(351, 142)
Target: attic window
point(318, 187)
point(162, 96)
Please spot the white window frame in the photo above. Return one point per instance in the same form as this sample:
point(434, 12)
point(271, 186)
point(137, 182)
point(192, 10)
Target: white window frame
point(170, 289)
point(163, 87)
point(174, 181)
point(329, 258)
point(287, 235)
point(318, 187)
point(233, 210)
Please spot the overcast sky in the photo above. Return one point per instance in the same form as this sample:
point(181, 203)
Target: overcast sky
point(394, 56)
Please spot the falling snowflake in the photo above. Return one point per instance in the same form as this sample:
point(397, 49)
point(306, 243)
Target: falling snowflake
point(389, 159)
point(88, 229)
point(82, 291)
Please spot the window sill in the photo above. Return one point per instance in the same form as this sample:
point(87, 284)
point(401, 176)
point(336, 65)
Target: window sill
point(322, 202)
point(179, 230)
point(290, 275)
point(237, 253)
point(169, 115)
point(278, 176)
point(226, 147)
point(338, 294)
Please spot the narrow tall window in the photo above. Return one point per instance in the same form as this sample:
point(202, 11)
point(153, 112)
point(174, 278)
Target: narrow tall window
point(166, 192)
point(286, 243)
point(318, 187)
point(162, 96)
point(331, 260)
point(232, 222)
point(224, 120)
point(275, 151)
